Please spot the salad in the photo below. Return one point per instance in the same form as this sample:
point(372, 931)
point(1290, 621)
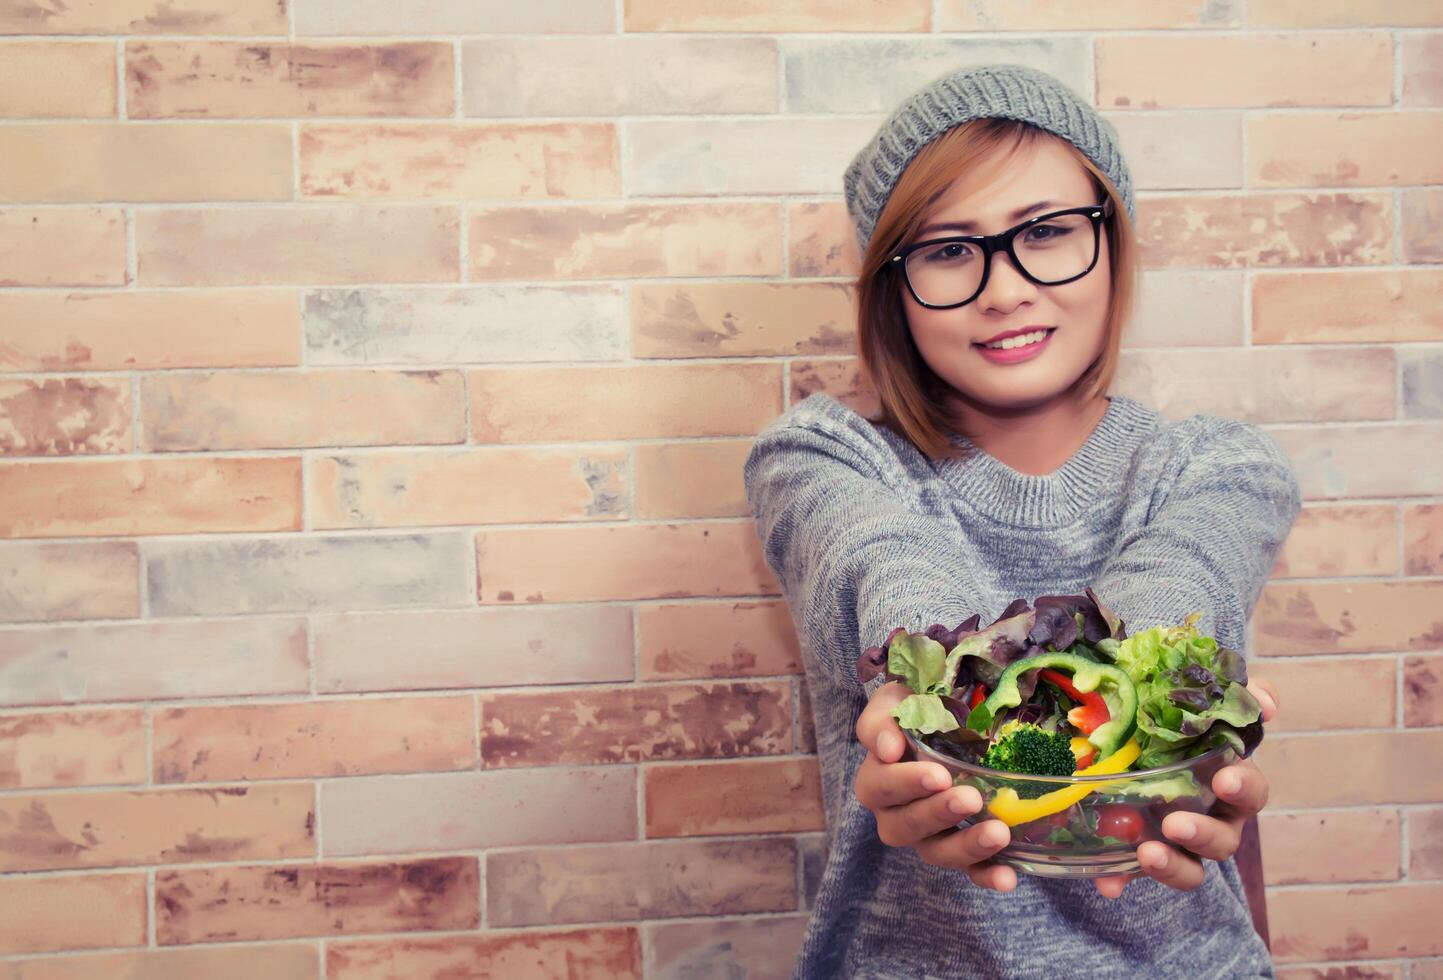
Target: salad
point(1057, 688)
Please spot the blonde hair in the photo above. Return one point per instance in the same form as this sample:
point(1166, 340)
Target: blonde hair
point(910, 392)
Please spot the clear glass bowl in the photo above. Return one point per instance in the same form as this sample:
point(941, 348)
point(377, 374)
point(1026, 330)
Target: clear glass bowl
point(1098, 834)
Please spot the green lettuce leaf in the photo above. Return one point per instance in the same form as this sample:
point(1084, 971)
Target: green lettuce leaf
point(924, 714)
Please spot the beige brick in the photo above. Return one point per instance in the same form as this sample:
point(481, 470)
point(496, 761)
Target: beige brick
point(1425, 843)
point(821, 241)
point(455, 17)
point(751, 947)
point(1422, 222)
point(593, 952)
point(141, 661)
point(460, 160)
point(1421, 55)
point(334, 573)
point(71, 748)
point(571, 726)
point(80, 580)
point(1423, 539)
point(78, 78)
point(317, 738)
point(291, 961)
point(557, 76)
point(1259, 230)
point(1423, 691)
point(1181, 150)
point(622, 241)
point(875, 74)
point(485, 486)
point(760, 16)
point(274, 410)
point(50, 247)
point(717, 639)
point(1361, 845)
point(1245, 70)
point(473, 648)
point(149, 496)
point(1264, 385)
point(1345, 150)
point(1341, 13)
point(1322, 695)
point(279, 901)
point(658, 879)
point(495, 324)
point(43, 914)
point(742, 318)
point(646, 561)
point(1346, 617)
point(64, 416)
point(1372, 970)
point(229, 79)
point(1420, 376)
point(130, 330)
point(1382, 767)
point(1363, 461)
point(103, 829)
point(691, 479)
point(687, 157)
point(843, 379)
point(1340, 540)
point(1362, 306)
point(1328, 923)
point(309, 244)
point(467, 811)
point(753, 797)
point(76, 162)
point(1048, 15)
point(143, 17)
point(634, 402)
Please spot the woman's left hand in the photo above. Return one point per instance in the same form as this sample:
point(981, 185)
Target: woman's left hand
point(1242, 793)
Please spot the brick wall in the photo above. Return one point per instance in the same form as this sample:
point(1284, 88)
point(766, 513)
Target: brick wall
point(377, 590)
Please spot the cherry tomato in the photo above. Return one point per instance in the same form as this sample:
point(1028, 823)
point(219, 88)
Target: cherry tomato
point(1121, 821)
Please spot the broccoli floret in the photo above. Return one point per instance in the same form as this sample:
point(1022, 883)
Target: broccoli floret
point(1032, 750)
point(1027, 748)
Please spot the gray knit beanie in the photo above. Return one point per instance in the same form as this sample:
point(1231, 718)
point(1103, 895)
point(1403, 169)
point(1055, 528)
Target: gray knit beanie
point(988, 91)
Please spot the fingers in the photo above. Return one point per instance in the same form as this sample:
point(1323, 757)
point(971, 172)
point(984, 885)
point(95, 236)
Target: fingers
point(965, 848)
point(998, 877)
point(877, 729)
point(1267, 696)
point(1112, 886)
point(1204, 836)
point(1242, 789)
point(887, 784)
point(909, 825)
point(1169, 866)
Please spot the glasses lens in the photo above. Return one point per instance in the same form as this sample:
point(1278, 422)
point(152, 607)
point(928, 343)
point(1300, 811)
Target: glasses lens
point(1058, 249)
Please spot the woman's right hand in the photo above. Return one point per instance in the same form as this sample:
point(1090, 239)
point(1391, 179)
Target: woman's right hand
point(916, 805)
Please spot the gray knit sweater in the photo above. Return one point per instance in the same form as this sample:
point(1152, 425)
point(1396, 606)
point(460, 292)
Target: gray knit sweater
point(865, 534)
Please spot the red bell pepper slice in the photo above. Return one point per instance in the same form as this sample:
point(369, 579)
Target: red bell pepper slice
point(979, 694)
point(1091, 712)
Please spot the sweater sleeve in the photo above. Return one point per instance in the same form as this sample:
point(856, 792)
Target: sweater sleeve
point(854, 556)
point(1211, 543)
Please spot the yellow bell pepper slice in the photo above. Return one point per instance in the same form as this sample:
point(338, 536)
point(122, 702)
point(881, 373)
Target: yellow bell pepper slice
point(1012, 810)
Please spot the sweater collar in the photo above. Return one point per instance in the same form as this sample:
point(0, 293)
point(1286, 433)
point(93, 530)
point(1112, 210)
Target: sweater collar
point(995, 489)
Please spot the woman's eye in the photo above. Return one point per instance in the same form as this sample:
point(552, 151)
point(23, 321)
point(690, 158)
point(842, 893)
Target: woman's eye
point(1052, 231)
point(949, 253)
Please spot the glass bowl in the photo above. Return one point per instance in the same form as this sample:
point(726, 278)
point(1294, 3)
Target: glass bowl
point(1097, 834)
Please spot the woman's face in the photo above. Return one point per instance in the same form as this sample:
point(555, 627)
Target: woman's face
point(1076, 312)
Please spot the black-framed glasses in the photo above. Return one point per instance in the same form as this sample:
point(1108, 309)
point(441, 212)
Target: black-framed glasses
point(1050, 249)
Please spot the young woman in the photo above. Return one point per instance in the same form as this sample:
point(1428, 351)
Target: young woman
point(994, 204)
